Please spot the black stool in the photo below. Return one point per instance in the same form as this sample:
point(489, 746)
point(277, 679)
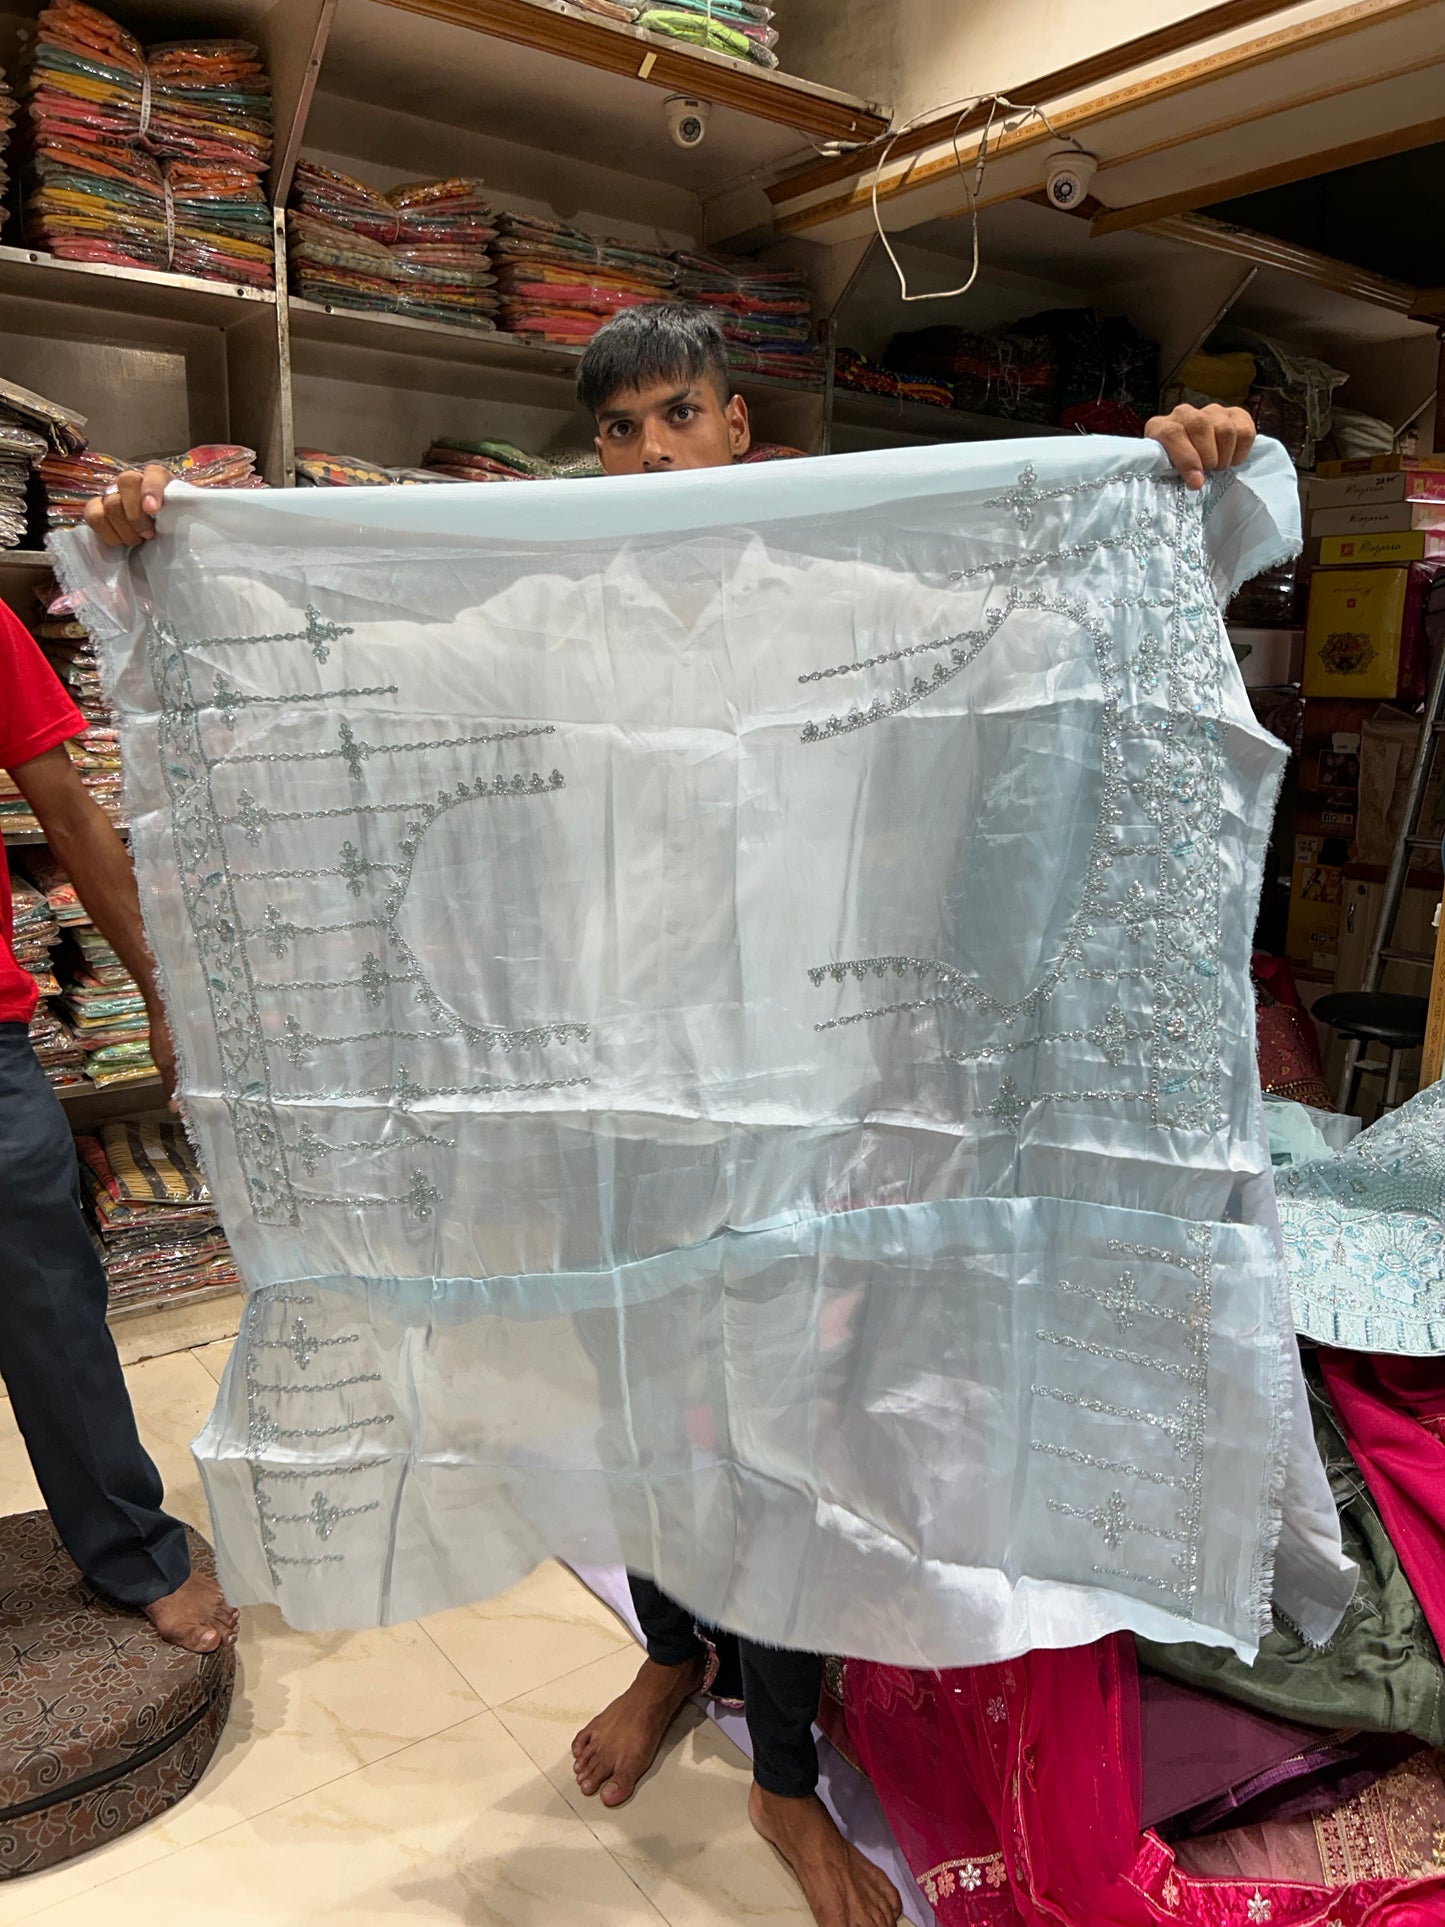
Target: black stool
point(1375, 1017)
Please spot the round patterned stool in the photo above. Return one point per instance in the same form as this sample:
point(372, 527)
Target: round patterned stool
point(102, 1725)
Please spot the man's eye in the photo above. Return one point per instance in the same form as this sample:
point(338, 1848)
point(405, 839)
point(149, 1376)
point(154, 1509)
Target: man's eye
point(620, 429)
point(685, 413)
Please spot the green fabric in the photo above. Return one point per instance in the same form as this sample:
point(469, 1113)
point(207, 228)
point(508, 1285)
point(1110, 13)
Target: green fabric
point(1381, 1672)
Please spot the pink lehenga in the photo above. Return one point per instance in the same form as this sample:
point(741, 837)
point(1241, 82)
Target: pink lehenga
point(1014, 1793)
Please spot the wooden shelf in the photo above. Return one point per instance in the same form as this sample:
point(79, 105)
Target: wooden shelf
point(87, 1105)
point(430, 341)
point(615, 48)
point(854, 409)
point(101, 291)
point(22, 839)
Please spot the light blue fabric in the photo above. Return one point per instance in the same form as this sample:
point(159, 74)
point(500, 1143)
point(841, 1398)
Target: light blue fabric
point(1364, 1234)
point(717, 1011)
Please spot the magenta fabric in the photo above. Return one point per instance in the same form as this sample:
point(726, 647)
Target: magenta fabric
point(1392, 1413)
point(1014, 1793)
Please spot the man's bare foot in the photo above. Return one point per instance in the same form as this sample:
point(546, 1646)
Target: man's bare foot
point(612, 1753)
point(842, 1888)
point(195, 1616)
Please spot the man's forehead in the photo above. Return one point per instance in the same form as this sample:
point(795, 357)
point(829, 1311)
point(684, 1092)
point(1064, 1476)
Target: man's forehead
point(656, 394)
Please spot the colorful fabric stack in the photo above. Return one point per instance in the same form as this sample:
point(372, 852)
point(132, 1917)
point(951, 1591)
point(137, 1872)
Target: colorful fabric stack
point(20, 450)
point(71, 480)
point(8, 112)
point(444, 228)
point(211, 465)
point(420, 249)
point(151, 1214)
point(16, 816)
point(743, 29)
point(33, 931)
point(147, 160)
point(30, 428)
point(863, 377)
point(101, 1002)
point(766, 313)
point(467, 461)
point(1015, 376)
point(71, 654)
point(38, 875)
point(60, 1056)
point(316, 468)
point(559, 284)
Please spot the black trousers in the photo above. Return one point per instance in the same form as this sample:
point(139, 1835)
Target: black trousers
point(58, 1359)
point(779, 1690)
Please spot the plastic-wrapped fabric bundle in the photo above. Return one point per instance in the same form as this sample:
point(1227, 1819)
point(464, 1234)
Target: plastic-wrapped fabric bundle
point(471, 461)
point(8, 111)
point(20, 449)
point(1005, 375)
point(317, 469)
point(220, 223)
point(420, 249)
point(560, 284)
point(766, 313)
point(1100, 359)
point(151, 161)
point(212, 465)
point(152, 1213)
point(740, 28)
point(71, 480)
point(339, 266)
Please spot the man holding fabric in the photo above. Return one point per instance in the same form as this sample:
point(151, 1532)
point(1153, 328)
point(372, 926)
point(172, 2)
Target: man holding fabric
point(655, 380)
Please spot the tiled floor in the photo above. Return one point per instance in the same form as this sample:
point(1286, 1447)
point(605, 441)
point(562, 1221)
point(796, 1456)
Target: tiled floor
point(416, 1774)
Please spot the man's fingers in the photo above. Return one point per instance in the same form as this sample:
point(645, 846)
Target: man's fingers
point(154, 479)
point(125, 514)
point(1174, 438)
point(1203, 435)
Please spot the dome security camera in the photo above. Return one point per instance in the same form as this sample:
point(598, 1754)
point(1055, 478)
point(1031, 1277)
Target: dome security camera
point(687, 119)
point(1069, 177)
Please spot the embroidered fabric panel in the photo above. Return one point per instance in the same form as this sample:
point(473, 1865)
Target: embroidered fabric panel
point(1364, 1235)
point(718, 1018)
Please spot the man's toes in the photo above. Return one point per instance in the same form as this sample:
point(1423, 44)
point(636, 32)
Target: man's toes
point(581, 1743)
point(618, 1791)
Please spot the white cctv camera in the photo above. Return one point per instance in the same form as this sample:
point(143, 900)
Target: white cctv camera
point(687, 119)
point(1070, 175)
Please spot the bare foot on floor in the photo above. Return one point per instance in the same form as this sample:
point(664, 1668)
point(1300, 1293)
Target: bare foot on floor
point(195, 1616)
point(842, 1888)
point(612, 1753)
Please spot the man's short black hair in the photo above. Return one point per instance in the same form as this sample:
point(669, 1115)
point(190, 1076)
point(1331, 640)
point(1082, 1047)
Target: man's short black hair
point(661, 341)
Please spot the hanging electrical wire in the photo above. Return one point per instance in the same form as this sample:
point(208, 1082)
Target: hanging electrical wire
point(997, 104)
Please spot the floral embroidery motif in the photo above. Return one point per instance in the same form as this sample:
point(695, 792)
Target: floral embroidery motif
point(962, 1876)
point(1260, 1909)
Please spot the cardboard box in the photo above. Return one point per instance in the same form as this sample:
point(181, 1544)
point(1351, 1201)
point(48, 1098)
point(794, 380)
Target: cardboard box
point(1354, 632)
point(1368, 551)
point(1377, 518)
point(1348, 491)
point(1316, 903)
point(1383, 465)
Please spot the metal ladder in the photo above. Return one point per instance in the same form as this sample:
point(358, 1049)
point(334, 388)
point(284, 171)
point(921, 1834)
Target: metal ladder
point(1383, 949)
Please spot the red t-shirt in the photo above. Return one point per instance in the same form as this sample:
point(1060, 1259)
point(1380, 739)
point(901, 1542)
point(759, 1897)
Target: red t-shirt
point(35, 715)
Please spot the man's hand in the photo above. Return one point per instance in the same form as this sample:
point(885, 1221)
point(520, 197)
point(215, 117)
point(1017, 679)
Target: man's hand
point(1200, 440)
point(163, 1050)
point(126, 514)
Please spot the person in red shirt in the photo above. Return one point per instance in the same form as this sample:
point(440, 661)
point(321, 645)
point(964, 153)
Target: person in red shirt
point(57, 1356)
